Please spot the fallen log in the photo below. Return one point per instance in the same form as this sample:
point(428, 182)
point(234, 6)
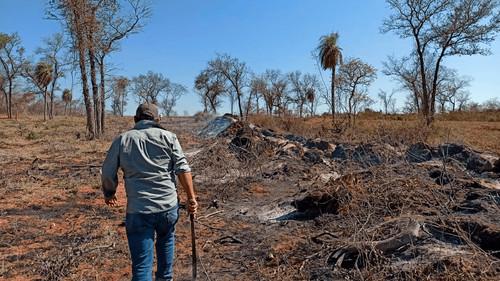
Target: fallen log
point(353, 252)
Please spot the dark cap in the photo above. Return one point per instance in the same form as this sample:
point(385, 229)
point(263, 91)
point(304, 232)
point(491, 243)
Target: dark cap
point(147, 111)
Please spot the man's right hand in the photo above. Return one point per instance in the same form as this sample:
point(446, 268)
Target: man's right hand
point(192, 206)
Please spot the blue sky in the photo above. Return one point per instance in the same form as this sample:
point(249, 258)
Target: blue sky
point(182, 36)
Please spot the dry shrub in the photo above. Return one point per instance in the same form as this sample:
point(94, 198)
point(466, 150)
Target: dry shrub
point(477, 129)
point(410, 130)
point(388, 131)
point(309, 127)
point(485, 116)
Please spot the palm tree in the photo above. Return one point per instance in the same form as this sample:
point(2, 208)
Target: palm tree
point(67, 97)
point(330, 56)
point(43, 74)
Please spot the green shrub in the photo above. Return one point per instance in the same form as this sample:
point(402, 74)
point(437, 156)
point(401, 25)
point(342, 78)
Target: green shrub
point(32, 135)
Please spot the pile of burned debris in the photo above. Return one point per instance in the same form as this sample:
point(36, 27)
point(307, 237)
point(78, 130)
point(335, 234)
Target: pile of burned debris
point(356, 211)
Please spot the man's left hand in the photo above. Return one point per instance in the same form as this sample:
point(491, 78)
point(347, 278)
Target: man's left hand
point(111, 201)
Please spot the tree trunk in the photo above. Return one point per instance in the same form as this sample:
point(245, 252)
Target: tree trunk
point(425, 93)
point(231, 100)
point(95, 94)
point(52, 88)
point(239, 103)
point(9, 100)
point(86, 94)
point(45, 105)
point(257, 103)
point(6, 99)
point(80, 42)
point(103, 95)
point(123, 104)
point(8, 105)
point(349, 113)
point(51, 110)
point(333, 96)
point(212, 105)
point(249, 103)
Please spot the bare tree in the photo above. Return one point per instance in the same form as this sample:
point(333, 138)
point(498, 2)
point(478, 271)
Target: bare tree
point(388, 101)
point(210, 88)
point(492, 104)
point(170, 96)
point(405, 72)
point(234, 72)
point(119, 87)
point(274, 87)
point(233, 98)
point(95, 26)
point(204, 101)
point(11, 60)
point(147, 88)
point(118, 20)
point(462, 99)
point(78, 18)
point(441, 28)
point(304, 87)
point(23, 102)
point(155, 88)
point(3, 97)
point(250, 105)
point(258, 88)
point(354, 77)
point(442, 94)
point(452, 88)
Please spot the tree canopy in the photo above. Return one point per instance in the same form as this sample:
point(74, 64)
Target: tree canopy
point(441, 28)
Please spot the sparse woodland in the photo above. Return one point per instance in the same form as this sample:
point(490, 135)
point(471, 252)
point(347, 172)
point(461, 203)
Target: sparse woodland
point(307, 181)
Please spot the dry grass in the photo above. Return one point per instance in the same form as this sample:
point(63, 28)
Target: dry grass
point(50, 186)
point(478, 132)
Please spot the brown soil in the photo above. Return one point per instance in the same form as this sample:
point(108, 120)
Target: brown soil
point(274, 206)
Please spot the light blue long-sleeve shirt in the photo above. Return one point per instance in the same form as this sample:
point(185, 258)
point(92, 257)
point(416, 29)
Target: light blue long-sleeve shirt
point(150, 158)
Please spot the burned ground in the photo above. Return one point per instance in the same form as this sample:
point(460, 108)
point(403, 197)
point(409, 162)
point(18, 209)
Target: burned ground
point(274, 206)
point(321, 210)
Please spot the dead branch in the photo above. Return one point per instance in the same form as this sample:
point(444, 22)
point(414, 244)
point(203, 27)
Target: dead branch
point(407, 236)
point(209, 215)
point(326, 233)
point(231, 239)
point(208, 226)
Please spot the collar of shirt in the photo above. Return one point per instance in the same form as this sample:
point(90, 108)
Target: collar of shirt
point(146, 124)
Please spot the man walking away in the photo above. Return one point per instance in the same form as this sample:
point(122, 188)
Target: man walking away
point(150, 158)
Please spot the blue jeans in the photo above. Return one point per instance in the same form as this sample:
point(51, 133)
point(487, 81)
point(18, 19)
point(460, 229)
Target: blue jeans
point(141, 230)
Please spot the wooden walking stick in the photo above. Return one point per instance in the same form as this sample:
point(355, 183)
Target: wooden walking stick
point(193, 245)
